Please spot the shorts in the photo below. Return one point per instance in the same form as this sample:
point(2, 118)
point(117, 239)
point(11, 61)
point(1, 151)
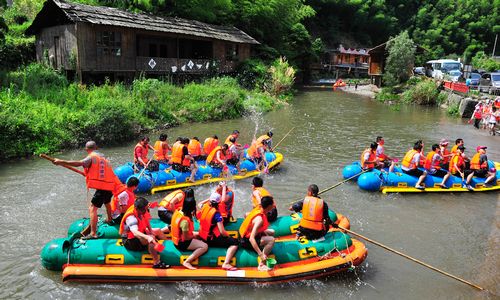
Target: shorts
point(445, 166)
point(233, 161)
point(180, 168)
point(134, 244)
point(478, 173)
point(414, 172)
point(165, 216)
point(438, 173)
point(222, 242)
point(310, 234)
point(245, 243)
point(101, 197)
point(183, 246)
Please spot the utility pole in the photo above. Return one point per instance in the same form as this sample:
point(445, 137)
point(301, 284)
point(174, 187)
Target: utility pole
point(494, 46)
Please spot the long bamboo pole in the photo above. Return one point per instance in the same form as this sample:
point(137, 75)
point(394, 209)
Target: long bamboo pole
point(67, 167)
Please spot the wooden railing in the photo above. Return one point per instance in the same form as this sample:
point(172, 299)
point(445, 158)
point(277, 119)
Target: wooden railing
point(174, 65)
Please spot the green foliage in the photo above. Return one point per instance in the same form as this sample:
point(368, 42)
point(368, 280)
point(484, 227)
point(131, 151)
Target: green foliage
point(482, 61)
point(282, 77)
point(400, 60)
point(423, 93)
point(453, 110)
point(252, 73)
point(387, 95)
point(42, 112)
point(3, 30)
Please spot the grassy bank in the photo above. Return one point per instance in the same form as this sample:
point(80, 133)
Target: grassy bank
point(40, 111)
point(417, 90)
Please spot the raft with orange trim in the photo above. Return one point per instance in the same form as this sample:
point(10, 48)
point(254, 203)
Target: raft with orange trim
point(107, 260)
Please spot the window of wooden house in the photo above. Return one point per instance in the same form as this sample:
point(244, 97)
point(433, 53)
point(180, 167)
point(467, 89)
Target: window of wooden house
point(153, 50)
point(109, 43)
point(232, 52)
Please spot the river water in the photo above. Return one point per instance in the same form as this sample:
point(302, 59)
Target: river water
point(455, 232)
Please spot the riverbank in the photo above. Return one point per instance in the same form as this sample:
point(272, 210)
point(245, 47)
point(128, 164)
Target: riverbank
point(369, 90)
point(42, 112)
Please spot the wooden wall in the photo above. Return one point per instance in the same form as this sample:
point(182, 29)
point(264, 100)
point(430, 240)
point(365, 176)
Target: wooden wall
point(59, 44)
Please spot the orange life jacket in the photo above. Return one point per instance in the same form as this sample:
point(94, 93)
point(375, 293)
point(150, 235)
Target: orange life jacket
point(253, 150)
point(194, 147)
point(131, 197)
point(205, 216)
point(175, 227)
point(228, 141)
point(312, 214)
point(212, 157)
point(408, 159)
point(474, 163)
point(160, 153)
point(372, 157)
point(142, 223)
point(247, 225)
point(456, 163)
point(262, 138)
point(446, 158)
point(428, 162)
point(226, 207)
point(454, 149)
point(263, 192)
point(209, 144)
point(144, 155)
point(100, 175)
point(177, 149)
point(167, 201)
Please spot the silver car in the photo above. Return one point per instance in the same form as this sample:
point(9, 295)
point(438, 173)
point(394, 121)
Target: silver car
point(490, 83)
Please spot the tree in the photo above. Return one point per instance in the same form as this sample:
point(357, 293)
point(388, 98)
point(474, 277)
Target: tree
point(400, 60)
point(3, 30)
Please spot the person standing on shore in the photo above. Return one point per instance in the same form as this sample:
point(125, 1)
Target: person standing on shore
point(99, 175)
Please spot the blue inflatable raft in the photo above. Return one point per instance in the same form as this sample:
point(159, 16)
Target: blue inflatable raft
point(399, 182)
point(168, 179)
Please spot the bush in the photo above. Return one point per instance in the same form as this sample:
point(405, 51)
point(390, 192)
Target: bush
point(453, 110)
point(482, 61)
point(252, 73)
point(423, 93)
point(282, 77)
point(387, 95)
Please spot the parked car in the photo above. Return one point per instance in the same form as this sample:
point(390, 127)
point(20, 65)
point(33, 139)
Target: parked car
point(490, 82)
point(454, 75)
point(473, 80)
point(419, 71)
point(437, 68)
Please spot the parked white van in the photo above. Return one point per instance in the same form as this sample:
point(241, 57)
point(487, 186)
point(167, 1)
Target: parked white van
point(437, 68)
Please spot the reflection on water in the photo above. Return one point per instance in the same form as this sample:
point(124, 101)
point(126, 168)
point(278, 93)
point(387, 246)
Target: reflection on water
point(455, 232)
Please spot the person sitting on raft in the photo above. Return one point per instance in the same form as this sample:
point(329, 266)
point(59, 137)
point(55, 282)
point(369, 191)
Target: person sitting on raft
point(267, 140)
point(210, 143)
point(183, 235)
point(255, 233)
point(410, 164)
point(445, 154)
point(369, 160)
point(458, 143)
point(137, 234)
point(433, 165)
point(195, 150)
point(123, 198)
point(259, 192)
point(387, 160)
point(141, 151)
point(315, 220)
point(257, 154)
point(457, 164)
point(161, 149)
point(235, 135)
point(99, 175)
point(217, 158)
point(181, 160)
point(225, 196)
point(235, 153)
point(212, 231)
point(479, 168)
point(172, 202)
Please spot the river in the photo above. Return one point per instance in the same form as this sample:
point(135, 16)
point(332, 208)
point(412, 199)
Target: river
point(455, 232)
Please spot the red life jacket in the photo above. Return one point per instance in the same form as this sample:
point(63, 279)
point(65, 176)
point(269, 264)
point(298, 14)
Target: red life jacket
point(372, 157)
point(100, 175)
point(142, 223)
point(207, 229)
point(144, 153)
point(226, 207)
point(131, 198)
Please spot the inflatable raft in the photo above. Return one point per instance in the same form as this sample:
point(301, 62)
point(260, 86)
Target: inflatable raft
point(107, 260)
point(399, 182)
point(283, 226)
point(168, 179)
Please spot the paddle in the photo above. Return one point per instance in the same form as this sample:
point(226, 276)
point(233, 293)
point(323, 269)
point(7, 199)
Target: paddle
point(284, 138)
point(412, 259)
point(64, 166)
point(144, 169)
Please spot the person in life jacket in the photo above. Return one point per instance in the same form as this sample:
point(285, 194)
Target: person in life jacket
point(183, 235)
point(137, 234)
point(479, 168)
point(212, 231)
point(161, 149)
point(255, 234)
point(181, 160)
point(99, 175)
point(445, 153)
point(477, 115)
point(267, 140)
point(384, 158)
point(141, 151)
point(369, 158)
point(235, 153)
point(411, 162)
point(195, 149)
point(235, 135)
point(172, 202)
point(457, 163)
point(433, 163)
point(225, 196)
point(210, 143)
point(258, 192)
point(257, 153)
point(458, 143)
point(315, 220)
point(123, 198)
point(217, 158)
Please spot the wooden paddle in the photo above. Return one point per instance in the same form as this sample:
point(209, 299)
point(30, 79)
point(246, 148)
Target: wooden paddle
point(284, 138)
point(64, 166)
point(412, 259)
